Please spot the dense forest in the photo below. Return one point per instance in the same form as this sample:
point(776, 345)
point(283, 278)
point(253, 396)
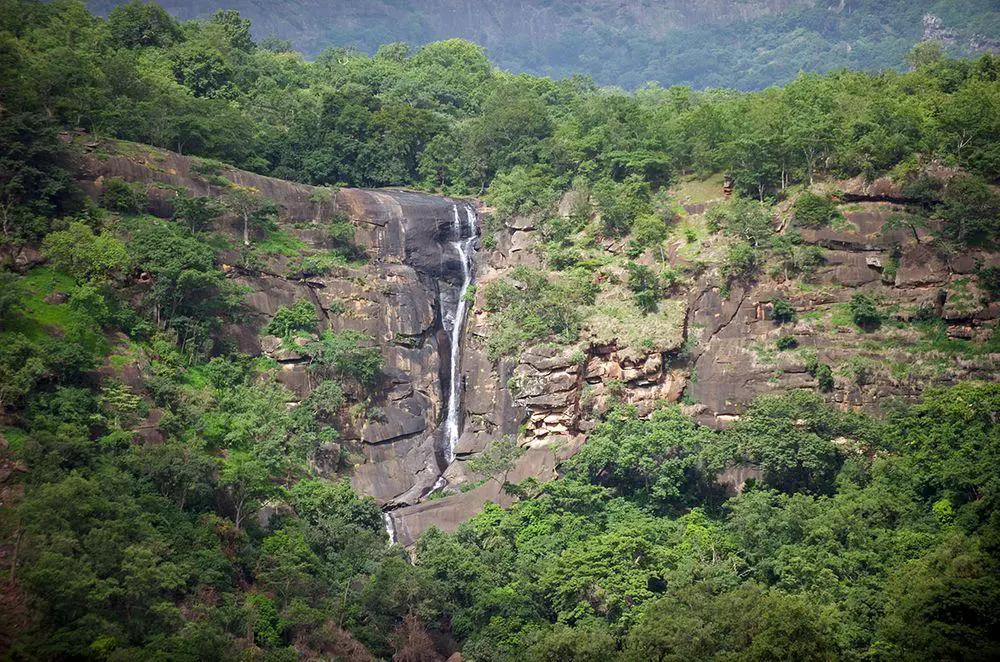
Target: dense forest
point(742, 44)
point(864, 537)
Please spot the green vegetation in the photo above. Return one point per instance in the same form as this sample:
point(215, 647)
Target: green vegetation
point(178, 501)
point(865, 311)
point(782, 311)
point(814, 210)
point(529, 308)
point(290, 321)
point(705, 45)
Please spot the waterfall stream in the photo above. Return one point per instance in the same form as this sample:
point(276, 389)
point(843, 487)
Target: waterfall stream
point(465, 234)
point(390, 526)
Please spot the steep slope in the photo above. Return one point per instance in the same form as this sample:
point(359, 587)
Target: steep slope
point(711, 346)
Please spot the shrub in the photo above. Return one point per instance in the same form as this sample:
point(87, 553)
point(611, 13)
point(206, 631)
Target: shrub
point(120, 196)
point(815, 210)
point(86, 256)
point(621, 203)
point(782, 311)
point(742, 262)
point(864, 312)
point(289, 321)
point(989, 281)
point(645, 285)
point(649, 230)
point(747, 219)
point(970, 212)
point(527, 308)
point(344, 354)
point(196, 212)
point(787, 342)
point(822, 373)
point(520, 191)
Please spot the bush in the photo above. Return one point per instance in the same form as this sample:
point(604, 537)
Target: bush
point(527, 308)
point(649, 230)
point(289, 321)
point(971, 212)
point(645, 285)
point(621, 204)
point(344, 354)
point(196, 212)
point(814, 210)
point(86, 256)
point(120, 196)
point(747, 219)
point(864, 312)
point(786, 342)
point(742, 262)
point(782, 311)
point(822, 373)
point(989, 281)
point(520, 191)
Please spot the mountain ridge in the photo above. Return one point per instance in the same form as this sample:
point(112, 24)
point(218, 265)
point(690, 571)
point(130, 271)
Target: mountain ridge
point(711, 43)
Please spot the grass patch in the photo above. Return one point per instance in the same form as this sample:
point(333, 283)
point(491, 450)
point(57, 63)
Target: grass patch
point(693, 191)
point(15, 437)
point(616, 318)
point(280, 242)
point(37, 319)
point(840, 316)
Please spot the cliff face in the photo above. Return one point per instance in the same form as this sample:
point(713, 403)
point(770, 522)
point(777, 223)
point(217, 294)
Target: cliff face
point(397, 298)
point(711, 350)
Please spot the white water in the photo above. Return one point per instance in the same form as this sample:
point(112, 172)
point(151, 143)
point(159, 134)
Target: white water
point(465, 238)
point(390, 526)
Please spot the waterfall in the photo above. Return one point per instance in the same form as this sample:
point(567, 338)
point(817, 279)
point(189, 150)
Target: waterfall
point(465, 234)
point(390, 526)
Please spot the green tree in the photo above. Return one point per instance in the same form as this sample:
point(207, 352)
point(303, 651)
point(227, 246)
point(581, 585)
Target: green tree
point(248, 484)
point(86, 256)
point(136, 24)
point(20, 369)
point(256, 212)
point(289, 321)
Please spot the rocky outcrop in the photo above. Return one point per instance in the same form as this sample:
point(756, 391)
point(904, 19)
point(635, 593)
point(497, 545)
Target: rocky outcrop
point(711, 347)
point(395, 298)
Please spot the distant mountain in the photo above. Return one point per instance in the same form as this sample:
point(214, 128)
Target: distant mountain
point(744, 44)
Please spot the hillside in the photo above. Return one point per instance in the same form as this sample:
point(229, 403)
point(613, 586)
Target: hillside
point(407, 357)
point(749, 44)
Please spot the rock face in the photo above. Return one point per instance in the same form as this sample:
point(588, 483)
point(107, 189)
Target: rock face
point(396, 299)
point(713, 350)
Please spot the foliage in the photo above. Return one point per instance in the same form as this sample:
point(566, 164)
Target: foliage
point(782, 311)
point(786, 342)
point(823, 374)
point(652, 461)
point(290, 321)
point(529, 308)
point(346, 354)
point(814, 210)
point(124, 197)
point(864, 311)
point(86, 256)
point(747, 219)
point(742, 262)
point(971, 212)
point(496, 461)
point(644, 285)
point(196, 212)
